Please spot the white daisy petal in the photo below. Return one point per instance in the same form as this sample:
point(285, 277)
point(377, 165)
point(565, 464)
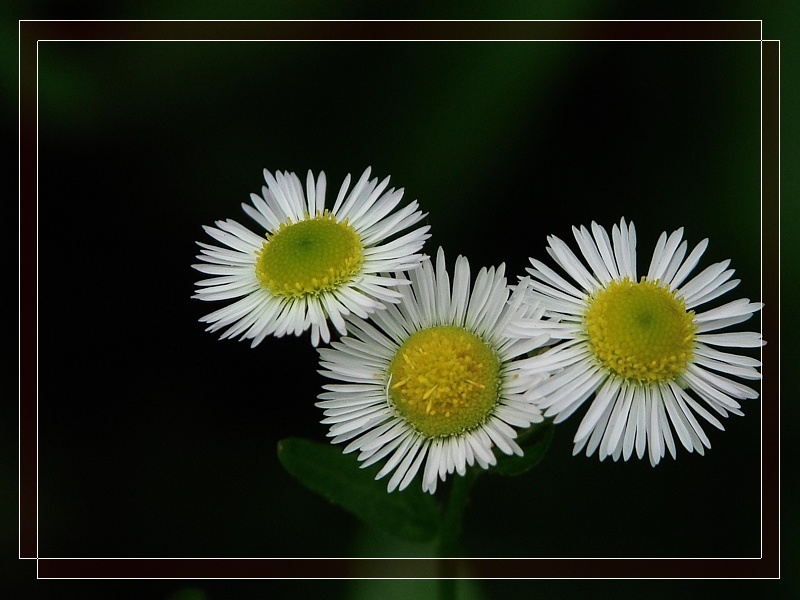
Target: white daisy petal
point(688, 265)
point(737, 308)
point(696, 430)
point(658, 253)
point(617, 420)
point(312, 296)
point(655, 438)
point(433, 380)
point(605, 395)
point(744, 339)
point(407, 444)
point(705, 280)
point(431, 473)
point(716, 324)
point(607, 349)
point(597, 433)
point(675, 263)
point(262, 213)
point(556, 285)
point(605, 249)
point(697, 407)
point(591, 254)
point(664, 423)
point(570, 263)
point(407, 467)
point(624, 240)
point(726, 357)
point(443, 285)
point(641, 423)
point(630, 426)
point(664, 254)
point(714, 290)
point(359, 191)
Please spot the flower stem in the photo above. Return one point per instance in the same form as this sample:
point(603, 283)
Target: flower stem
point(446, 589)
point(452, 517)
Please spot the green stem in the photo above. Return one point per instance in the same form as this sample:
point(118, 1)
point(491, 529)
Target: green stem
point(452, 517)
point(453, 514)
point(446, 588)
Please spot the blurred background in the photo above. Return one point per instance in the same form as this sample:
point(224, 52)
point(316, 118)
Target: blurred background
point(158, 440)
point(162, 438)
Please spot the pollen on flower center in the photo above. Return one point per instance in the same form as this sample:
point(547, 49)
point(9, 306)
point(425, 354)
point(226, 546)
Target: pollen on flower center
point(641, 331)
point(315, 255)
point(444, 380)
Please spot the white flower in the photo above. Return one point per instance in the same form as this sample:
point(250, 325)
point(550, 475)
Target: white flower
point(312, 264)
point(435, 377)
point(637, 346)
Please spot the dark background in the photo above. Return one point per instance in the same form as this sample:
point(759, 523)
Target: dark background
point(158, 440)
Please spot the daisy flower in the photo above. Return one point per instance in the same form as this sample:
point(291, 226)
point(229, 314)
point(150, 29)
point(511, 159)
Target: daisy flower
point(311, 264)
point(637, 346)
point(433, 377)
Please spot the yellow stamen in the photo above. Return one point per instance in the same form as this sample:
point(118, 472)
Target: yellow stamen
point(640, 331)
point(447, 380)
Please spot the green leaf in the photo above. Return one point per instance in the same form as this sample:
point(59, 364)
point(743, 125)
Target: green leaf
point(411, 514)
point(534, 442)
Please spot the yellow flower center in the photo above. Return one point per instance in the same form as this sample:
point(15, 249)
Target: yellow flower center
point(444, 380)
point(312, 256)
point(641, 331)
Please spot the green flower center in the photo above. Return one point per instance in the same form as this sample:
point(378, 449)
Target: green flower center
point(309, 257)
point(641, 331)
point(444, 380)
